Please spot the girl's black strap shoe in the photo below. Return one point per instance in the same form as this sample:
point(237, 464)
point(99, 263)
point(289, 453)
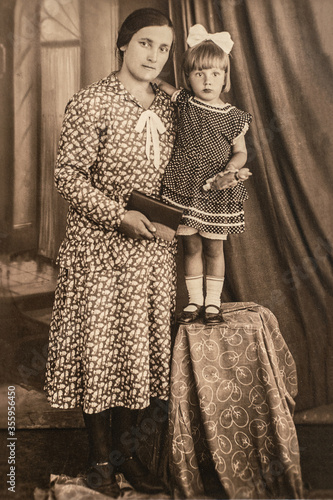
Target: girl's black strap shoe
point(213, 318)
point(187, 317)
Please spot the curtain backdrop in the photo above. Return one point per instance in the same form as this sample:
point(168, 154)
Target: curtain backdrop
point(55, 93)
point(65, 67)
point(25, 93)
point(282, 74)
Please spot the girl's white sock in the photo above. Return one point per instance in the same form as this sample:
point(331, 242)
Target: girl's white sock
point(214, 287)
point(194, 285)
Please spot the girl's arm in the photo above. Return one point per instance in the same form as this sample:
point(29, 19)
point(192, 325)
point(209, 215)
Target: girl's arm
point(234, 170)
point(239, 156)
point(166, 87)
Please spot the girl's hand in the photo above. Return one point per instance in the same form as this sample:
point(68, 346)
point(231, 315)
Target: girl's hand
point(244, 173)
point(224, 181)
point(136, 225)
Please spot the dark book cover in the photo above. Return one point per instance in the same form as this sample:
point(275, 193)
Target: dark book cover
point(165, 218)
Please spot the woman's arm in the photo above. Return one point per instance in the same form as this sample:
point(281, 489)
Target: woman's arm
point(77, 153)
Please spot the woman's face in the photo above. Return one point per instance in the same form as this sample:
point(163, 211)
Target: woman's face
point(147, 52)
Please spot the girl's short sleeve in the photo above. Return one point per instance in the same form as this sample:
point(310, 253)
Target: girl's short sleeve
point(180, 97)
point(242, 121)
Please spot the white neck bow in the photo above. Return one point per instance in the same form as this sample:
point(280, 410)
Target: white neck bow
point(198, 34)
point(154, 126)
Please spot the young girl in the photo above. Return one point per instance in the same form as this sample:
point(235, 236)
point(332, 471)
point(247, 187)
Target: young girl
point(206, 170)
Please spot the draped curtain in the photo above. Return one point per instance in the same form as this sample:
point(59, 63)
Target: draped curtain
point(281, 72)
point(71, 57)
point(25, 91)
point(60, 55)
point(55, 93)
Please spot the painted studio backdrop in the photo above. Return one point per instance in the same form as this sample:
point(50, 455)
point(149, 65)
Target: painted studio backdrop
point(281, 73)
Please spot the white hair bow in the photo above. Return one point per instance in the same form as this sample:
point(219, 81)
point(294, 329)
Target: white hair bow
point(154, 126)
point(198, 34)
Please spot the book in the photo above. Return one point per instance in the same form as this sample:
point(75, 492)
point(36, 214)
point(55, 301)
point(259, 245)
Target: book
point(165, 218)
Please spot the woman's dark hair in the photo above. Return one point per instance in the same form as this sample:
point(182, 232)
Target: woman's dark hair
point(137, 20)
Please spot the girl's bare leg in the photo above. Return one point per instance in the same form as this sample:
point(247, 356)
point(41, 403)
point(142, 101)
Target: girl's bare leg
point(193, 267)
point(193, 263)
point(215, 270)
point(214, 257)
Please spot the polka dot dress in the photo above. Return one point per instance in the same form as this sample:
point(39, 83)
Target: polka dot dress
point(111, 325)
point(203, 148)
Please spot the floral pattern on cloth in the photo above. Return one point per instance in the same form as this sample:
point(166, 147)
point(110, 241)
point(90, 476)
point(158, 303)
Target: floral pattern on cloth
point(111, 325)
point(231, 424)
point(203, 148)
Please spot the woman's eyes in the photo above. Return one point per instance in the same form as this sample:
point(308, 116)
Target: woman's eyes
point(146, 44)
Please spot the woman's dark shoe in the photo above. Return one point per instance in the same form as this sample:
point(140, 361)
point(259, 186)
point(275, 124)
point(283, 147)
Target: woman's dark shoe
point(213, 318)
point(139, 476)
point(101, 478)
point(187, 317)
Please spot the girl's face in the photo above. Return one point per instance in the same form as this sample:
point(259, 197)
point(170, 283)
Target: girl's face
point(147, 52)
point(207, 84)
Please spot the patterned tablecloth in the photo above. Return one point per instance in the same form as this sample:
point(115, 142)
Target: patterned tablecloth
point(231, 425)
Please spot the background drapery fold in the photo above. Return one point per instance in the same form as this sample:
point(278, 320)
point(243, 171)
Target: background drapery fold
point(282, 69)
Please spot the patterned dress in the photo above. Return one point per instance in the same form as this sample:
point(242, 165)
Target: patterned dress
point(206, 134)
point(110, 330)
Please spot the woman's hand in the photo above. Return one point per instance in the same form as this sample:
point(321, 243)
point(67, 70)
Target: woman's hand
point(136, 225)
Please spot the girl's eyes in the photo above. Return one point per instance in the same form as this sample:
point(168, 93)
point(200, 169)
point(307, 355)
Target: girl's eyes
point(164, 49)
point(199, 74)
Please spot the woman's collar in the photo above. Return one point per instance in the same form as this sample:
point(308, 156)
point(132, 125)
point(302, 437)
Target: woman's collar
point(120, 89)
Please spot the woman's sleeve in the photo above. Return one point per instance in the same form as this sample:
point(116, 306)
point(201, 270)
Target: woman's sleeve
point(77, 153)
point(242, 123)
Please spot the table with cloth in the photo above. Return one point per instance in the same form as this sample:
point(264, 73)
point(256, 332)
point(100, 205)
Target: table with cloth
point(231, 427)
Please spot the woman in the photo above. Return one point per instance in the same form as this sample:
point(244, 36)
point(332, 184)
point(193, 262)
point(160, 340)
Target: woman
point(109, 348)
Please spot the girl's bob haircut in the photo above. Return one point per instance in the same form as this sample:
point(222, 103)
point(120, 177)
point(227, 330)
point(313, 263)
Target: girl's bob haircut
point(205, 55)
